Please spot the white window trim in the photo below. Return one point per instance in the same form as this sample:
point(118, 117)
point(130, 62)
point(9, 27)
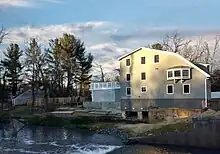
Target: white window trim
point(144, 60)
point(172, 74)
point(126, 62)
point(143, 91)
point(126, 77)
point(189, 73)
point(145, 76)
point(95, 85)
point(167, 89)
point(154, 59)
point(130, 90)
point(189, 89)
point(181, 73)
point(180, 70)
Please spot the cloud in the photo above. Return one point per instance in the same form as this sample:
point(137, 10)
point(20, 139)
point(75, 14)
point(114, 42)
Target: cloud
point(15, 3)
point(23, 3)
point(106, 41)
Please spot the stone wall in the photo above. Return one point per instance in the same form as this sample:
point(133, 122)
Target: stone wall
point(160, 114)
point(205, 134)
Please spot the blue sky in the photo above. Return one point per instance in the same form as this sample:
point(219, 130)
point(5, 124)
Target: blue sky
point(109, 28)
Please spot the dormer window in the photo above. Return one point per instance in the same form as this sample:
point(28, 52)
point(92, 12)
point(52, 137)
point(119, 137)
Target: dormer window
point(170, 74)
point(178, 73)
point(185, 72)
point(128, 62)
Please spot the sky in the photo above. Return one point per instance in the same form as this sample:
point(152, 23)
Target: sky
point(109, 28)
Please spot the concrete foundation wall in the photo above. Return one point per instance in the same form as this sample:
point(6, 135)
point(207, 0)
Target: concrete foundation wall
point(146, 104)
point(103, 105)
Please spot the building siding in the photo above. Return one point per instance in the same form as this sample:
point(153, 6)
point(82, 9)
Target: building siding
point(156, 80)
point(106, 95)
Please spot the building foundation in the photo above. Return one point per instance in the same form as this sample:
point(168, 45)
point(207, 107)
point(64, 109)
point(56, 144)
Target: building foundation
point(123, 114)
point(140, 116)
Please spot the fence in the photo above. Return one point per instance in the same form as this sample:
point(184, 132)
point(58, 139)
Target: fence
point(56, 101)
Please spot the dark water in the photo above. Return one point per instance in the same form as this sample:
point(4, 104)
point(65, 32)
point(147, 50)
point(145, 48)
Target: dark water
point(49, 140)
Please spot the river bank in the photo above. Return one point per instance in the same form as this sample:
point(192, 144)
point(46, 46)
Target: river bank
point(178, 131)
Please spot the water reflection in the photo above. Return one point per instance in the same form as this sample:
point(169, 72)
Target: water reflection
point(54, 140)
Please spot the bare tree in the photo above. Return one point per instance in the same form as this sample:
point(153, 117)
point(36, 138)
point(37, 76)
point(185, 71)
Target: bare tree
point(174, 42)
point(3, 33)
point(193, 53)
point(210, 53)
point(99, 66)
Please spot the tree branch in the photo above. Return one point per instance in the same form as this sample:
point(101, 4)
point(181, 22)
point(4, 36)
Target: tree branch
point(3, 33)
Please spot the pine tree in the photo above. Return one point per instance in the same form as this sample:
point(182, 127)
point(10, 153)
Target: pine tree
point(32, 53)
point(84, 66)
point(54, 63)
point(13, 66)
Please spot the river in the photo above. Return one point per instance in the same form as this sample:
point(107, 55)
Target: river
point(56, 140)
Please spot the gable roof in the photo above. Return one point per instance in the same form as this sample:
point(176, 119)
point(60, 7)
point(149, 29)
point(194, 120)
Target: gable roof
point(201, 69)
point(201, 66)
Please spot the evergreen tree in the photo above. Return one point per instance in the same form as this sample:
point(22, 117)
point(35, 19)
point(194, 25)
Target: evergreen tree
point(68, 60)
point(13, 66)
point(54, 63)
point(32, 53)
point(84, 66)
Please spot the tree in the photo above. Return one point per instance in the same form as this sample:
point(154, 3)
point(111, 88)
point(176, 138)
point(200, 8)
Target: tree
point(84, 66)
point(2, 34)
point(68, 57)
point(157, 46)
point(215, 80)
point(32, 53)
point(210, 52)
point(102, 77)
point(43, 68)
point(174, 42)
point(13, 66)
point(117, 72)
point(199, 52)
point(55, 64)
point(4, 91)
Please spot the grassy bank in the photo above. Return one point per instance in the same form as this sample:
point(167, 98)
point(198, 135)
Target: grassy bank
point(92, 122)
point(40, 118)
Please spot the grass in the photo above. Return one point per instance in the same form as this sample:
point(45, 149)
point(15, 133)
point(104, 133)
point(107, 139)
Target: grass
point(177, 127)
point(23, 111)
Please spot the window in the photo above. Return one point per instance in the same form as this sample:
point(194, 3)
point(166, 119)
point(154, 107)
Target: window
point(109, 84)
point(100, 85)
point(156, 59)
point(143, 89)
point(143, 76)
point(142, 60)
point(177, 73)
point(128, 91)
point(186, 89)
point(170, 89)
point(128, 62)
point(117, 85)
point(169, 74)
point(93, 86)
point(96, 85)
point(128, 77)
point(185, 72)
